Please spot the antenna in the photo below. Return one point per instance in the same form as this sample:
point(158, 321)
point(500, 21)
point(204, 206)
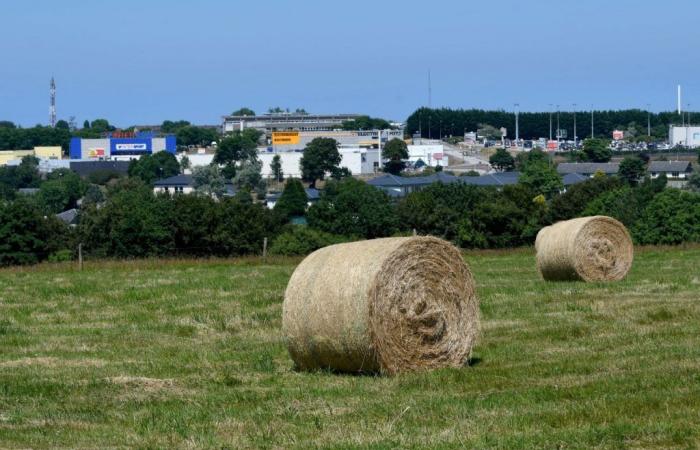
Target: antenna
point(52, 104)
point(430, 91)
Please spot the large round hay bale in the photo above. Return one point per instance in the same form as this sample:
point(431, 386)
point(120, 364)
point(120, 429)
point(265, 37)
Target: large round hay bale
point(597, 248)
point(384, 305)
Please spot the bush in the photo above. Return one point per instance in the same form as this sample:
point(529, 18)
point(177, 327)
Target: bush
point(302, 240)
point(672, 217)
point(61, 256)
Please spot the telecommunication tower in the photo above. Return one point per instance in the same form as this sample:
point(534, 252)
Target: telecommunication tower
point(52, 106)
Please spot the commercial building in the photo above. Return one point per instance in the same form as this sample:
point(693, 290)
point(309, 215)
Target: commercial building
point(269, 123)
point(358, 161)
point(687, 136)
point(285, 141)
point(124, 146)
point(6, 156)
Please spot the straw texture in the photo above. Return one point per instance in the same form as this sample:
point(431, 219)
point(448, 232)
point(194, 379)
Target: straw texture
point(384, 305)
point(597, 248)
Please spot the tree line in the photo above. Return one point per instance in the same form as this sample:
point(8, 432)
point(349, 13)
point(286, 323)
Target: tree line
point(123, 218)
point(436, 122)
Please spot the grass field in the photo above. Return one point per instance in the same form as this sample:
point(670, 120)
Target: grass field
point(173, 354)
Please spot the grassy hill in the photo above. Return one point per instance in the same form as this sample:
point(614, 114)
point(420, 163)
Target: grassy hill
point(189, 354)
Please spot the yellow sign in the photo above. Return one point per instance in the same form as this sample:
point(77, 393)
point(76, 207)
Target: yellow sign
point(285, 138)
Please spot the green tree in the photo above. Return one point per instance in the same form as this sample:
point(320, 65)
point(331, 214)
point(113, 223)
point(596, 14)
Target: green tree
point(276, 167)
point(86, 124)
point(94, 195)
point(101, 126)
point(249, 177)
point(236, 147)
point(185, 164)
point(195, 136)
point(502, 160)
point(293, 200)
point(534, 156)
point(27, 235)
point(302, 240)
point(366, 123)
point(154, 167)
point(62, 125)
point(632, 169)
point(694, 182)
point(488, 131)
point(320, 156)
point(542, 179)
point(169, 126)
point(208, 180)
point(574, 201)
point(243, 112)
point(672, 217)
point(351, 207)
point(395, 152)
point(596, 150)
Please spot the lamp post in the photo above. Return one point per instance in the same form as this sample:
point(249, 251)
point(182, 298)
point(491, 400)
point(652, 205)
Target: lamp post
point(648, 120)
point(517, 125)
point(550, 121)
point(592, 124)
point(574, 126)
point(558, 126)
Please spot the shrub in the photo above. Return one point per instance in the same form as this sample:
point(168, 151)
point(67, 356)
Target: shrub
point(672, 217)
point(302, 240)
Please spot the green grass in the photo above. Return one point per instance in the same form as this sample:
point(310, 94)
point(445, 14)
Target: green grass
point(172, 354)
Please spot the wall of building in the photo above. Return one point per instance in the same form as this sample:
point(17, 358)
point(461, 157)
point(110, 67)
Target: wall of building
point(11, 155)
point(687, 136)
point(357, 160)
point(114, 147)
point(432, 154)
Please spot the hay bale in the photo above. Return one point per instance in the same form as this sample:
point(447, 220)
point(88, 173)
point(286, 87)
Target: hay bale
point(384, 305)
point(597, 248)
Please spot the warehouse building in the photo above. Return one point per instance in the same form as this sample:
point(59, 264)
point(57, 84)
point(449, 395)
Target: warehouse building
point(43, 153)
point(286, 141)
point(124, 146)
point(687, 136)
point(269, 123)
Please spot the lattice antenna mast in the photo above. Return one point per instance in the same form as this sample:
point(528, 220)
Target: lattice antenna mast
point(52, 106)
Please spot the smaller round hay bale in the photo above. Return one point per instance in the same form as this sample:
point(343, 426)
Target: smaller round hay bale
point(384, 305)
point(596, 248)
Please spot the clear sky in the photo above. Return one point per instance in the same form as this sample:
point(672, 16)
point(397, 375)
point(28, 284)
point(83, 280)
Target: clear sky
point(144, 61)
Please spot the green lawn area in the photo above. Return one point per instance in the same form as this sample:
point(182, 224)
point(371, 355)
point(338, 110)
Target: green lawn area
point(172, 354)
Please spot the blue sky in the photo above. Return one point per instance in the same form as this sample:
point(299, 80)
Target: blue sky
point(144, 61)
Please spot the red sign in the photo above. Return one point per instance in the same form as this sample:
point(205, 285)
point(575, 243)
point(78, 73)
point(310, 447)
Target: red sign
point(552, 145)
point(437, 156)
point(618, 135)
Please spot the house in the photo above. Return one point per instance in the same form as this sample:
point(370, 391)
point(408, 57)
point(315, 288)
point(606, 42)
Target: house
point(397, 187)
point(311, 194)
point(588, 169)
point(184, 184)
point(69, 217)
point(672, 169)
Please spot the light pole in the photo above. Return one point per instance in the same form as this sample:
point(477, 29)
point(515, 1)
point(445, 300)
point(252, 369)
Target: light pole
point(550, 121)
point(517, 125)
point(648, 120)
point(574, 126)
point(592, 124)
point(558, 125)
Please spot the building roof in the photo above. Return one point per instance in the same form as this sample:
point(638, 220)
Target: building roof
point(311, 194)
point(574, 178)
point(85, 168)
point(68, 217)
point(177, 180)
point(588, 168)
point(670, 166)
point(28, 191)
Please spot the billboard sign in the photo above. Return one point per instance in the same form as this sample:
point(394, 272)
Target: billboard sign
point(96, 153)
point(552, 145)
point(618, 135)
point(131, 147)
point(285, 138)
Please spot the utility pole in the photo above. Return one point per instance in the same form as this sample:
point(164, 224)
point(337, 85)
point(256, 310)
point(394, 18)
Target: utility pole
point(592, 124)
point(648, 120)
point(517, 125)
point(574, 126)
point(550, 121)
point(430, 91)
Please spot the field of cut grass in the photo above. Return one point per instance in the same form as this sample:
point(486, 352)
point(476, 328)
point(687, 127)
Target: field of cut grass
point(189, 354)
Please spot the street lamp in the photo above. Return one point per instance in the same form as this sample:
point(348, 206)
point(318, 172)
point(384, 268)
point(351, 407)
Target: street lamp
point(517, 125)
point(592, 124)
point(574, 126)
point(558, 126)
point(550, 121)
point(648, 120)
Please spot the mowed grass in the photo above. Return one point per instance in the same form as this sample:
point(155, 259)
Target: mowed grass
point(189, 354)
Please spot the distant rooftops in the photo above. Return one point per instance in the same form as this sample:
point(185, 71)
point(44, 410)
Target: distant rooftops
point(608, 168)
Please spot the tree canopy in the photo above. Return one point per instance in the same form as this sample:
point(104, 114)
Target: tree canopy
point(320, 157)
point(394, 154)
point(150, 168)
point(502, 160)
